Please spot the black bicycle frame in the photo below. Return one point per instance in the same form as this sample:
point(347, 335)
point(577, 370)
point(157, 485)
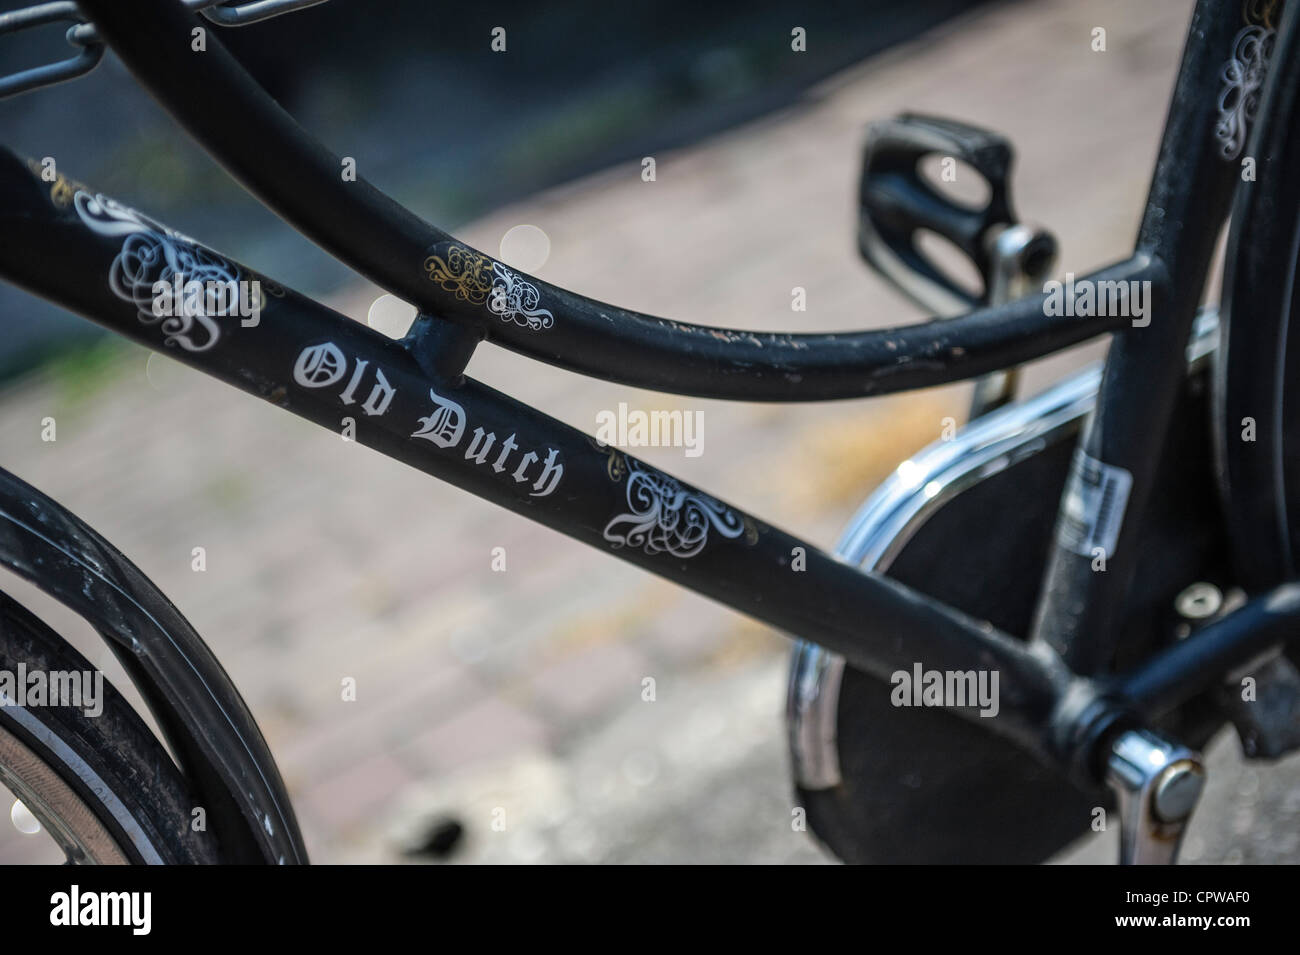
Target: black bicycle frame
point(411, 400)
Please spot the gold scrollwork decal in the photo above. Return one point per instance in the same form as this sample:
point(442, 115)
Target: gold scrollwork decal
point(62, 189)
point(462, 271)
point(1262, 13)
point(616, 460)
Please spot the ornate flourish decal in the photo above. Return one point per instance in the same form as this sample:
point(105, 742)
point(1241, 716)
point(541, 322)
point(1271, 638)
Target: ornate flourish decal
point(516, 300)
point(62, 189)
point(476, 279)
point(616, 463)
point(1263, 12)
point(152, 253)
point(664, 517)
point(1243, 75)
point(463, 271)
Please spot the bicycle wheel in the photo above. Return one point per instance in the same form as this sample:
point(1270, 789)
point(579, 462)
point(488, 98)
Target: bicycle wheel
point(1257, 372)
point(101, 785)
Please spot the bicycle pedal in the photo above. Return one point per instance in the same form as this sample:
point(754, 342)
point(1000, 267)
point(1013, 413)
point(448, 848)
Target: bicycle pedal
point(898, 204)
point(1266, 712)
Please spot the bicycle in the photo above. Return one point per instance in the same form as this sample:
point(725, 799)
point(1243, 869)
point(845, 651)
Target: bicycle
point(1105, 680)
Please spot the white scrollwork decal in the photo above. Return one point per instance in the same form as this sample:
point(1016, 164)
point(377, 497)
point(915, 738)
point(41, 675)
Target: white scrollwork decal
point(152, 253)
point(664, 517)
point(516, 300)
point(1242, 76)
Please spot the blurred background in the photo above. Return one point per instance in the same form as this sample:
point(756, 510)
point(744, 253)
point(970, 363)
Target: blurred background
point(521, 690)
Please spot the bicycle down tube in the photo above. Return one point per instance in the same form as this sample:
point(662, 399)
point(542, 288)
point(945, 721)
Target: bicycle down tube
point(325, 367)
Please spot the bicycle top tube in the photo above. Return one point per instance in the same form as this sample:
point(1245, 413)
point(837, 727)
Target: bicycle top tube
point(229, 114)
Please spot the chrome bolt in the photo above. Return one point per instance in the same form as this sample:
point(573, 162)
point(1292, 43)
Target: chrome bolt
point(1177, 790)
point(1199, 601)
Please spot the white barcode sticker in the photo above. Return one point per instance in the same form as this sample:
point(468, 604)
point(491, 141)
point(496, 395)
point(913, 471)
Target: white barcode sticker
point(1094, 506)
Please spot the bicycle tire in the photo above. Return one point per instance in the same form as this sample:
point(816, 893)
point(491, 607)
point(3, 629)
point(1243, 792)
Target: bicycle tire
point(103, 786)
point(1257, 434)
